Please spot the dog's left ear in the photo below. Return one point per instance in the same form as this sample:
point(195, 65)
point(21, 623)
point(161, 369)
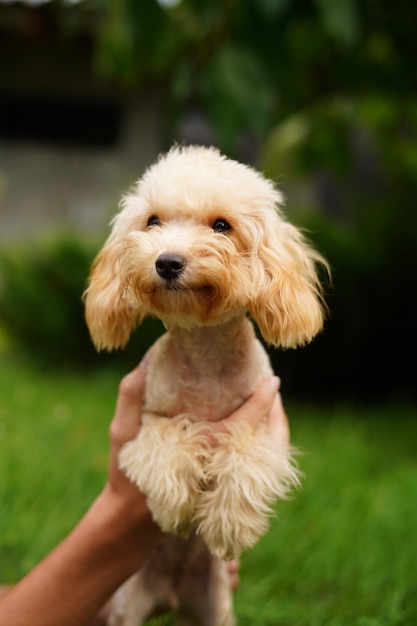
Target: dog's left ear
point(109, 316)
point(288, 307)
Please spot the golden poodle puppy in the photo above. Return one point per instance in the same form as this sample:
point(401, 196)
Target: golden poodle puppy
point(201, 243)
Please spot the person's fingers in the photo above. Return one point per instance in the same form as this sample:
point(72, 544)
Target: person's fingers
point(252, 412)
point(258, 406)
point(126, 420)
point(126, 423)
point(278, 423)
point(233, 569)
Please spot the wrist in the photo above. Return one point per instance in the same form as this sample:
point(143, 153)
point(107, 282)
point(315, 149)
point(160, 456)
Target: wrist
point(111, 542)
point(125, 528)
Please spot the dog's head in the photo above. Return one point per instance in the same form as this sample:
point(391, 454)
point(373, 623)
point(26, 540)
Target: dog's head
point(200, 239)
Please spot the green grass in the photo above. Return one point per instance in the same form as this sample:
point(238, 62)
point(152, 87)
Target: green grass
point(342, 551)
point(344, 548)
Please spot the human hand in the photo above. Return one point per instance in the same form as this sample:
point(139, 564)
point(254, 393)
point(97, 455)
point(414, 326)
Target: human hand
point(264, 403)
point(124, 427)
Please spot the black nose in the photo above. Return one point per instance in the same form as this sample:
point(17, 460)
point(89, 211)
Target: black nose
point(169, 265)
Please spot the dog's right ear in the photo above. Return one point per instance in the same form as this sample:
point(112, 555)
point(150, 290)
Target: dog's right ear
point(109, 315)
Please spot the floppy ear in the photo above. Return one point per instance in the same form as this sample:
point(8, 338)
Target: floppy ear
point(288, 306)
point(110, 318)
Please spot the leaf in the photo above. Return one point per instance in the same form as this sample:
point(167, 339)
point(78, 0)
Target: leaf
point(340, 19)
point(270, 8)
point(237, 94)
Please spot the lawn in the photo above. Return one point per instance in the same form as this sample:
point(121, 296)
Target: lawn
point(341, 552)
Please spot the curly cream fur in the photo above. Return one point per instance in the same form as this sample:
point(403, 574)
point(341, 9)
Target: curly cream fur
point(167, 463)
point(246, 474)
point(209, 361)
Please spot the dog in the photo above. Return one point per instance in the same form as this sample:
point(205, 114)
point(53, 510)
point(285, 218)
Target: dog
point(201, 242)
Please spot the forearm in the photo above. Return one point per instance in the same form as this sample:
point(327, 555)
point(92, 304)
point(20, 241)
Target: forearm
point(77, 578)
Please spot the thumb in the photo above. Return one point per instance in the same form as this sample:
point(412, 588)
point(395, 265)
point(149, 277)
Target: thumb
point(254, 410)
point(126, 421)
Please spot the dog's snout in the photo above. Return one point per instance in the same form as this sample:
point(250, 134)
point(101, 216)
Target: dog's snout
point(169, 265)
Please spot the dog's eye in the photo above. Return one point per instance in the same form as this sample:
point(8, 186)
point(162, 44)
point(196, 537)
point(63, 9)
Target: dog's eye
point(153, 221)
point(221, 226)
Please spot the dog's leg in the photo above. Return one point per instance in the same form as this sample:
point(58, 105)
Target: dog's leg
point(132, 603)
point(204, 590)
point(166, 462)
point(248, 474)
point(221, 597)
point(180, 576)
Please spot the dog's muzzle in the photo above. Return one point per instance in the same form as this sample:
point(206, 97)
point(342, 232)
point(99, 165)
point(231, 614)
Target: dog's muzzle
point(169, 265)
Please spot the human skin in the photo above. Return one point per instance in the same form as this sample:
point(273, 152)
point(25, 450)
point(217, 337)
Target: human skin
point(115, 537)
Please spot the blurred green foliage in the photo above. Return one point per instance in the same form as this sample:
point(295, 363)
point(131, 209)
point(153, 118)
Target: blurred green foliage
point(40, 300)
point(249, 64)
point(324, 93)
point(41, 306)
point(360, 160)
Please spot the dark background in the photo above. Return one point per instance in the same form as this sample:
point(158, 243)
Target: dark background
point(321, 95)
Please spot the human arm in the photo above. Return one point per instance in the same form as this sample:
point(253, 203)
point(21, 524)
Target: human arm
point(115, 536)
point(112, 540)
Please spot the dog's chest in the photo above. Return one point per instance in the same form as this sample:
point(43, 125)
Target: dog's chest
point(206, 381)
point(173, 391)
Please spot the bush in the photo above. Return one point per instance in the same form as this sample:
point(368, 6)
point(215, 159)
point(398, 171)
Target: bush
point(359, 160)
point(41, 309)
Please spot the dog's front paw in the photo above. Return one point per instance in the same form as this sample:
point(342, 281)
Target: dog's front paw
point(247, 476)
point(166, 463)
